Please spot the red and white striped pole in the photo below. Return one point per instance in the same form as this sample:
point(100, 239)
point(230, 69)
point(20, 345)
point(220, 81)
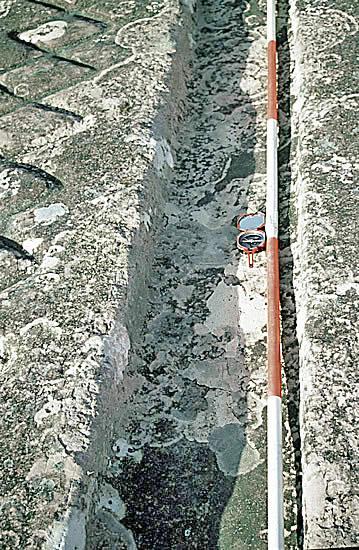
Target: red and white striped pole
point(274, 435)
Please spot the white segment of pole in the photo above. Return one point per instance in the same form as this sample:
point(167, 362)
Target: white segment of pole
point(274, 425)
point(272, 180)
point(275, 474)
point(271, 20)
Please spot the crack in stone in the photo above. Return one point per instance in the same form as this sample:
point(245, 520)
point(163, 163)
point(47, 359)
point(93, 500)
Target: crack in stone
point(52, 182)
point(57, 110)
point(47, 5)
point(14, 36)
point(97, 22)
point(43, 106)
point(14, 248)
point(5, 90)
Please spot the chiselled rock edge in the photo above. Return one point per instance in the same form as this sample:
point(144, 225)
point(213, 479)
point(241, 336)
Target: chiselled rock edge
point(72, 530)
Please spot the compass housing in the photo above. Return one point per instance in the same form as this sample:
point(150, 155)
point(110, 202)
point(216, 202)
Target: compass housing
point(252, 237)
point(251, 241)
point(245, 222)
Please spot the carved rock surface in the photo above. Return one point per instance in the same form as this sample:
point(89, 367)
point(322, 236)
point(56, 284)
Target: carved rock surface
point(325, 191)
point(91, 95)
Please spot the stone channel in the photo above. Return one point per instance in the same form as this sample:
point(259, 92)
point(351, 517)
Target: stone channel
point(189, 460)
point(132, 331)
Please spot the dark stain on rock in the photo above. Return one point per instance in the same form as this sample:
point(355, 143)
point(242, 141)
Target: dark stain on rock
point(242, 166)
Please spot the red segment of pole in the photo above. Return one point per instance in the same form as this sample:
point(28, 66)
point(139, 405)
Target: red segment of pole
point(272, 80)
point(273, 282)
point(274, 408)
point(273, 329)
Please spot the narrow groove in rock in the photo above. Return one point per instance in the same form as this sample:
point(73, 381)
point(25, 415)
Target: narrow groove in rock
point(7, 91)
point(52, 182)
point(290, 345)
point(191, 465)
point(42, 106)
point(57, 110)
point(13, 35)
point(47, 5)
point(14, 248)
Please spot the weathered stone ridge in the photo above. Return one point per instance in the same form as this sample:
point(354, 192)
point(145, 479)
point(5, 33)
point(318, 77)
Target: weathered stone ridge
point(92, 94)
point(324, 122)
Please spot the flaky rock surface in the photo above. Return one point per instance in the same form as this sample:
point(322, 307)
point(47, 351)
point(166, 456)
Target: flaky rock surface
point(92, 93)
point(325, 181)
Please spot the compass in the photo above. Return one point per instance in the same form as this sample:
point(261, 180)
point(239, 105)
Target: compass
point(252, 237)
point(251, 221)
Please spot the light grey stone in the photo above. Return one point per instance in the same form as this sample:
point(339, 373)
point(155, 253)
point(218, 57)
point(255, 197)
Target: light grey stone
point(324, 126)
point(81, 199)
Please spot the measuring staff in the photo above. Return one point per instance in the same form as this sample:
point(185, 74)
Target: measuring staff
point(254, 236)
